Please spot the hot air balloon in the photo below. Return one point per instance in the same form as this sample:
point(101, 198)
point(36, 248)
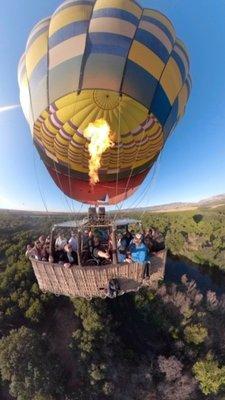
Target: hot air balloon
point(107, 60)
point(103, 83)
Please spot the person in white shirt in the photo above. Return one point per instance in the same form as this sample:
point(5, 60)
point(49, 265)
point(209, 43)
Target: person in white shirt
point(60, 241)
point(30, 251)
point(73, 241)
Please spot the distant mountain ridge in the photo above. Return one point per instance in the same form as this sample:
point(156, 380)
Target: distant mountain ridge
point(211, 202)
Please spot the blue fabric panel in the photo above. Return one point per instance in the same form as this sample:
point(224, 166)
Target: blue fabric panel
point(152, 43)
point(36, 35)
point(139, 84)
point(39, 71)
point(108, 43)
point(160, 25)
point(189, 84)
point(183, 50)
point(68, 31)
point(76, 3)
point(172, 119)
point(160, 106)
point(180, 65)
point(116, 13)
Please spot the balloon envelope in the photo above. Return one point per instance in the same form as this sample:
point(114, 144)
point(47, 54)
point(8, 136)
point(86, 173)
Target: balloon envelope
point(108, 59)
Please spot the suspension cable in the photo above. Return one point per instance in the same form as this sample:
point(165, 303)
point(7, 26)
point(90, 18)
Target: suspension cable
point(118, 144)
point(60, 186)
point(132, 170)
point(38, 182)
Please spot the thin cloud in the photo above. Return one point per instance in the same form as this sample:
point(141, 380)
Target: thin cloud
point(8, 108)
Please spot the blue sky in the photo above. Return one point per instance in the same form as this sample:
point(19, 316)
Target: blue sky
point(192, 165)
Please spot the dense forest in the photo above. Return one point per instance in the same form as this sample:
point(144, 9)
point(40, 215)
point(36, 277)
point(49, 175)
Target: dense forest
point(198, 235)
point(163, 344)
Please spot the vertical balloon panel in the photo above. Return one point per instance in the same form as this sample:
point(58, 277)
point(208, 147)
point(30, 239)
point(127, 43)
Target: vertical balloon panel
point(112, 28)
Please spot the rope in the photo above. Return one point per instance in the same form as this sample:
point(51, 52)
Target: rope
point(154, 177)
point(146, 189)
point(131, 172)
point(118, 144)
point(38, 183)
point(70, 187)
point(60, 185)
point(149, 185)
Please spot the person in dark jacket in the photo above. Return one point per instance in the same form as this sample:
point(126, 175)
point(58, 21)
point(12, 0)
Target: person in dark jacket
point(127, 238)
point(68, 257)
point(99, 250)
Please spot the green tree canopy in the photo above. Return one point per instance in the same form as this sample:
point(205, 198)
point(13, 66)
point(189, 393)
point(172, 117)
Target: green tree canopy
point(28, 366)
point(210, 375)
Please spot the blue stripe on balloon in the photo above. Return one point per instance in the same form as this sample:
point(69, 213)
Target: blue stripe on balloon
point(180, 64)
point(116, 13)
point(106, 49)
point(39, 72)
point(75, 3)
point(73, 29)
point(154, 44)
point(32, 39)
point(139, 84)
point(110, 39)
point(160, 106)
point(189, 84)
point(161, 26)
point(172, 119)
point(108, 43)
point(183, 51)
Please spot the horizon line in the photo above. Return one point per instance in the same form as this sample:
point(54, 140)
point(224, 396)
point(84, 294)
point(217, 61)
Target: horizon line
point(139, 208)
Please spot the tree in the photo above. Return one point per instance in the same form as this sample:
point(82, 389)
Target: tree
point(210, 375)
point(183, 388)
point(28, 366)
point(171, 367)
point(195, 333)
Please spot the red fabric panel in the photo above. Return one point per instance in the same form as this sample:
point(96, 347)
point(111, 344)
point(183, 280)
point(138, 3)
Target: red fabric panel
point(82, 191)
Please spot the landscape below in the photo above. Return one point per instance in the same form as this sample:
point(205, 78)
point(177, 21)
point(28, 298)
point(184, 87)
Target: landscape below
point(166, 344)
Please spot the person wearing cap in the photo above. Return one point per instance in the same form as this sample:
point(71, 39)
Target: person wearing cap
point(139, 253)
point(138, 250)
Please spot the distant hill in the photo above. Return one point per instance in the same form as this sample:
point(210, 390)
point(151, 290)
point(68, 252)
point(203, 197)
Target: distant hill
point(210, 202)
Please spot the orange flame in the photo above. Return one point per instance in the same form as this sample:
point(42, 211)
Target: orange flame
point(98, 133)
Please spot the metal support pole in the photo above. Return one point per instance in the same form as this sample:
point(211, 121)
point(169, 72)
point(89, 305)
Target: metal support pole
point(79, 248)
point(114, 247)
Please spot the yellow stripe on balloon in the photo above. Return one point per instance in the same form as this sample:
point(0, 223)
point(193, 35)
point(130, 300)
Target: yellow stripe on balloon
point(157, 32)
point(160, 17)
point(147, 59)
point(113, 25)
point(66, 50)
point(68, 16)
point(36, 52)
point(182, 100)
point(125, 5)
point(171, 80)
